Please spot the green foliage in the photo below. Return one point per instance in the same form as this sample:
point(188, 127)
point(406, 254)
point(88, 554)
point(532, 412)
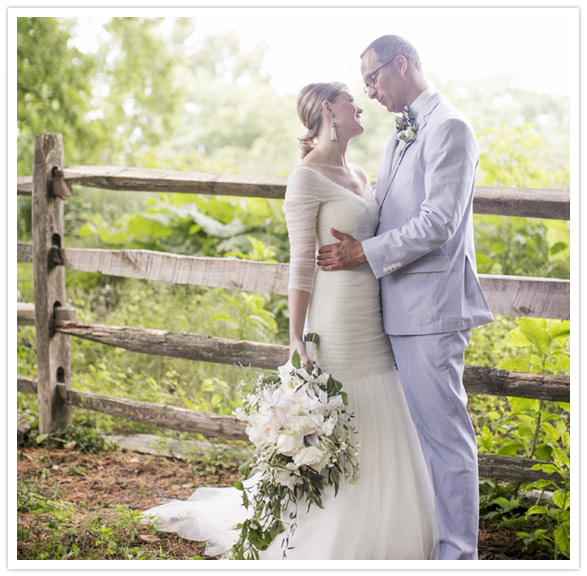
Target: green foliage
point(210, 226)
point(542, 346)
point(53, 90)
point(515, 246)
point(81, 435)
point(556, 509)
point(533, 429)
point(59, 534)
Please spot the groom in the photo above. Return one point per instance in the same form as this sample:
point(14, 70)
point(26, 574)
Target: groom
point(424, 256)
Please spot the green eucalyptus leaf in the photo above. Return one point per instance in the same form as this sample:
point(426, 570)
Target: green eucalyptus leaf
point(296, 360)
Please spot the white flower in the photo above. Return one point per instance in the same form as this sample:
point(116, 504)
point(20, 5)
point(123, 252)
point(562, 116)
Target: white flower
point(286, 478)
point(407, 135)
point(328, 425)
point(289, 444)
point(276, 404)
point(311, 456)
point(286, 372)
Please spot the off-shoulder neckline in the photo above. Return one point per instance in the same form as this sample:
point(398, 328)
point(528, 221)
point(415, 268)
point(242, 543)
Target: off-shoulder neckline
point(336, 183)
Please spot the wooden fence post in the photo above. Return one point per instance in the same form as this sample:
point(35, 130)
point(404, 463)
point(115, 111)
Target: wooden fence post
point(53, 355)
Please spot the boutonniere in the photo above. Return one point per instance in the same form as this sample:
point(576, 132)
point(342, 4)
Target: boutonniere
point(406, 127)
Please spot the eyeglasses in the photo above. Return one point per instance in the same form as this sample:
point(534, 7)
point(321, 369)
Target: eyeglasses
point(372, 77)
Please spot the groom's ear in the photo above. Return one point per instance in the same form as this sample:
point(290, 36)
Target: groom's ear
point(401, 63)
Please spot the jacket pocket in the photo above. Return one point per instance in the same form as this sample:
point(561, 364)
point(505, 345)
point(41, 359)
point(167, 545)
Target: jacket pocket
point(427, 263)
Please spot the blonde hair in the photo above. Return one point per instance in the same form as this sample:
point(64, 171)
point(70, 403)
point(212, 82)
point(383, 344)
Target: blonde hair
point(310, 101)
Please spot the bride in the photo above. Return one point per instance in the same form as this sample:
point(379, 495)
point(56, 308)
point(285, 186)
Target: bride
point(389, 513)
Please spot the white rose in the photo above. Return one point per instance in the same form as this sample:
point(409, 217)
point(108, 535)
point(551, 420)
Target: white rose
point(311, 456)
point(263, 429)
point(289, 444)
point(302, 425)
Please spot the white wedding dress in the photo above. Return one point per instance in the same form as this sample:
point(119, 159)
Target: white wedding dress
point(389, 513)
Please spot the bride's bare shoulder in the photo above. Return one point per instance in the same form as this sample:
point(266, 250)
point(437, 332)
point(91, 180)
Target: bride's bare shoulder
point(361, 174)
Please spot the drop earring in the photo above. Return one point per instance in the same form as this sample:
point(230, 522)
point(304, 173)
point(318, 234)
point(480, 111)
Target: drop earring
point(333, 136)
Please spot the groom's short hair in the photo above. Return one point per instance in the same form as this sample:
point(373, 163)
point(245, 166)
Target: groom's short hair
point(386, 47)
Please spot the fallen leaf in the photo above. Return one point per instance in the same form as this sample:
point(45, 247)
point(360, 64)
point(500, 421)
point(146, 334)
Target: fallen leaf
point(149, 538)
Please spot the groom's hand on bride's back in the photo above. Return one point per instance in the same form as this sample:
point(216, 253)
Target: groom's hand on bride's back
point(343, 255)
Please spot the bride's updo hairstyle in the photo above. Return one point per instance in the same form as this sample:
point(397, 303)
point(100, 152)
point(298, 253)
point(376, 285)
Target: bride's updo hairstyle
point(310, 101)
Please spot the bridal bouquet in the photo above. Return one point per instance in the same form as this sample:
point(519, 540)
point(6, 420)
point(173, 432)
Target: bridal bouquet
point(303, 440)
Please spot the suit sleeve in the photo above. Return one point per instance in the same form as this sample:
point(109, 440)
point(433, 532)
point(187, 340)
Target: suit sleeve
point(451, 159)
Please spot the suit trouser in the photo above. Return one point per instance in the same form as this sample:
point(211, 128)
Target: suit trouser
point(431, 370)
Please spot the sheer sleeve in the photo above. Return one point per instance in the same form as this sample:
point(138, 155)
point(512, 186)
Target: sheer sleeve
point(301, 212)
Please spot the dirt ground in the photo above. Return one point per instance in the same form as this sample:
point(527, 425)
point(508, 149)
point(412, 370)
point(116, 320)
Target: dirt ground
point(100, 482)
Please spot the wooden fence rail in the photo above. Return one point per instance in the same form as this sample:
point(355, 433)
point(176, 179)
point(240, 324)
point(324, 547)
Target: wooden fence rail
point(200, 347)
point(508, 468)
point(526, 202)
point(506, 295)
point(55, 321)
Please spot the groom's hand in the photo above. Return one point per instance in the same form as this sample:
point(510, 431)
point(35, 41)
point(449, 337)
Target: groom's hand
point(344, 255)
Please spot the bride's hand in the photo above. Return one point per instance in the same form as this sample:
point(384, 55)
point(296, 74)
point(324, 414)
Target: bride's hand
point(301, 349)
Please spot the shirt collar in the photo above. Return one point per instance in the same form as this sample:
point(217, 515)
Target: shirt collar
point(419, 104)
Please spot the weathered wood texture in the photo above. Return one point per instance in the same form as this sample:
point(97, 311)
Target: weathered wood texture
point(528, 202)
point(25, 314)
point(153, 180)
point(527, 297)
point(158, 414)
point(507, 295)
point(509, 468)
point(181, 344)
point(525, 202)
point(53, 355)
point(238, 452)
point(24, 185)
point(199, 270)
point(24, 252)
point(477, 379)
point(26, 385)
point(484, 380)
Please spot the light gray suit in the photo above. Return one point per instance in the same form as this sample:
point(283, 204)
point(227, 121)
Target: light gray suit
point(424, 256)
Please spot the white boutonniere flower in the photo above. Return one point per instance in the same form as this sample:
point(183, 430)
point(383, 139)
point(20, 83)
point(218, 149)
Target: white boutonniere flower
point(406, 126)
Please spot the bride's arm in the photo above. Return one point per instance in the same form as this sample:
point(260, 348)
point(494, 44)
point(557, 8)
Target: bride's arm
point(298, 306)
point(301, 212)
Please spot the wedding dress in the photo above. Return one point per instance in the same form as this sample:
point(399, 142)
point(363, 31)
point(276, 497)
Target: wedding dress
point(389, 513)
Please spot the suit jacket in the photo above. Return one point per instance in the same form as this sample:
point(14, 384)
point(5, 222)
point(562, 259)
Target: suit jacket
point(423, 252)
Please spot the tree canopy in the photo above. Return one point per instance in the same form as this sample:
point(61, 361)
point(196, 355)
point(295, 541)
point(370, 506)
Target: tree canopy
point(160, 92)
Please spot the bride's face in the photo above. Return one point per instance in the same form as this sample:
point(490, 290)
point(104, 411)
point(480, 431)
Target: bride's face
point(348, 114)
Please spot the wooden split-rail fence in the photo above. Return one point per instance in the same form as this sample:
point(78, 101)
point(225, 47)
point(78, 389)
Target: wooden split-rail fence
point(55, 321)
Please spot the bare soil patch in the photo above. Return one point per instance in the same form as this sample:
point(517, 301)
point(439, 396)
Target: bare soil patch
point(99, 483)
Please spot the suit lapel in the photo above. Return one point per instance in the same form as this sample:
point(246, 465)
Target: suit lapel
point(392, 162)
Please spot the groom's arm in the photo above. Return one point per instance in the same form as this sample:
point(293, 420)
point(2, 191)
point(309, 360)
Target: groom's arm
point(451, 161)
